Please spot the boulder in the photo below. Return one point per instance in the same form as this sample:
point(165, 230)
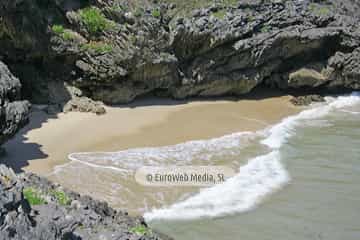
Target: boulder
point(14, 113)
point(306, 78)
point(84, 104)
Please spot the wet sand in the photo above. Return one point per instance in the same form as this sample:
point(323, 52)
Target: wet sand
point(145, 125)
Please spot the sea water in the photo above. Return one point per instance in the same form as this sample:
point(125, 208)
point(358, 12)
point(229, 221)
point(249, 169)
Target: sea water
point(298, 179)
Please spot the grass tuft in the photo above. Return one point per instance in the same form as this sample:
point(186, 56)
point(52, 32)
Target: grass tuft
point(33, 196)
point(97, 47)
point(58, 29)
point(61, 197)
point(265, 29)
point(319, 10)
point(156, 13)
point(220, 14)
point(66, 34)
point(140, 230)
point(94, 20)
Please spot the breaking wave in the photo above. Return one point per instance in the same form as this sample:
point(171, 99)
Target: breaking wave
point(260, 177)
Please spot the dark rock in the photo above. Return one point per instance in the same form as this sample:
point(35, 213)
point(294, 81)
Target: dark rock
point(52, 109)
point(306, 100)
point(2, 153)
point(220, 49)
point(52, 220)
point(14, 113)
point(344, 70)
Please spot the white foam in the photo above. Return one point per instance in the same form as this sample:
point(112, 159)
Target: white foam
point(203, 150)
point(285, 129)
point(182, 154)
point(260, 177)
point(351, 112)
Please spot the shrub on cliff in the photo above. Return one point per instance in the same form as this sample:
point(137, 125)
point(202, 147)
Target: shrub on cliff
point(94, 20)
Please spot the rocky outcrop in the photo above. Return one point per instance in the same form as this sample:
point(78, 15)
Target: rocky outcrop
point(102, 48)
point(14, 113)
point(306, 100)
point(263, 43)
point(306, 78)
point(115, 51)
point(33, 208)
point(84, 104)
point(344, 70)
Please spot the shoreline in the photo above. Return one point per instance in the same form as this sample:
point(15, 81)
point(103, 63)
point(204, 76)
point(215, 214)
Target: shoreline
point(125, 127)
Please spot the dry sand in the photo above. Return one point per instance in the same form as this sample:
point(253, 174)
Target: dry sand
point(46, 142)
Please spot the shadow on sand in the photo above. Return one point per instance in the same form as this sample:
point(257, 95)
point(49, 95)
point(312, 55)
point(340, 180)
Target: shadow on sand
point(18, 151)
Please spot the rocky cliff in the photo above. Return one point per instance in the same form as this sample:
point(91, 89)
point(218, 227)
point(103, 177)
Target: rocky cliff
point(13, 111)
point(33, 208)
point(117, 50)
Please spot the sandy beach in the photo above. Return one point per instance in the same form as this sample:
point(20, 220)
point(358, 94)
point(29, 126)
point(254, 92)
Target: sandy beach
point(46, 142)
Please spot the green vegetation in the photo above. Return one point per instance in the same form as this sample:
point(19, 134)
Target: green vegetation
point(58, 29)
point(138, 12)
point(265, 29)
point(324, 10)
point(251, 18)
point(140, 230)
point(117, 8)
point(33, 196)
point(94, 20)
point(319, 9)
point(36, 197)
point(185, 8)
point(229, 2)
point(133, 38)
point(156, 13)
point(220, 14)
point(60, 197)
point(97, 47)
point(66, 34)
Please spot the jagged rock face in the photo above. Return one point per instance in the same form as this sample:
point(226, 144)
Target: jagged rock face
point(263, 43)
point(121, 60)
point(344, 70)
point(13, 112)
point(219, 50)
point(80, 217)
